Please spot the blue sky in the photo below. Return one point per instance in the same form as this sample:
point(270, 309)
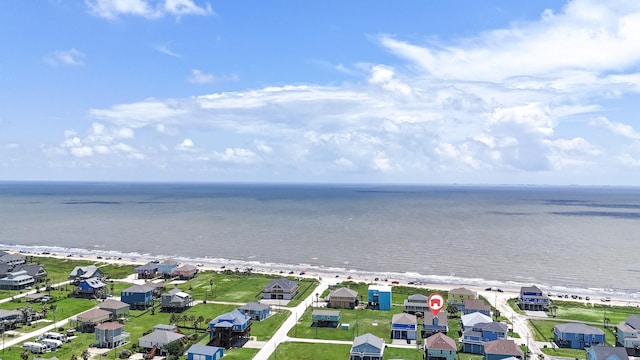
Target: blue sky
point(484, 92)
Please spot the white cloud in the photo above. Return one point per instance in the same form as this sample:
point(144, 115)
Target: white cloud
point(198, 77)
point(167, 51)
point(185, 145)
point(616, 128)
point(70, 57)
point(112, 9)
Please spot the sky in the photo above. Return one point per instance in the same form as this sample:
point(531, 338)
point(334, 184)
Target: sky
point(419, 92)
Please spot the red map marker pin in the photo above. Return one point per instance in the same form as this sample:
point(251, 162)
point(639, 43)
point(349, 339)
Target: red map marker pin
point(435, 302)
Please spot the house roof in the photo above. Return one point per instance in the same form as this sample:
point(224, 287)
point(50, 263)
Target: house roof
point(136, 288)
point(609, 352)
point(161, 337)
point(32, 269)
point(370, 339)
point(83, 272)
point(203, 350)
point(502, 347)
point(633, 321)
point(169, 262)
point(234, 317)
point(404, 318)
point(325, 313)
point(12, 257)
point(462, 291)
point(474, 318)
point(531, 288)
point(253, 306)
point(93, 314)
point(441, 341)
point(343, 292)
point(186, 268)
point(148, 266)
point(476, 304)
point(112, 304)
point(577, 328)
point(380, 288)
point(94, 282)
point(443, 318)
point(111, 325)
point(417, 298)
point(284, 283)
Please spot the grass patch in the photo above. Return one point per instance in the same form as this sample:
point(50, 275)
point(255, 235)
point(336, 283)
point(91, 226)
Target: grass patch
point(567, 353)
point(543, 330)
point(307, 351)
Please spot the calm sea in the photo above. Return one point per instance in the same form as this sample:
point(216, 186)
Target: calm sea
point(560, 238)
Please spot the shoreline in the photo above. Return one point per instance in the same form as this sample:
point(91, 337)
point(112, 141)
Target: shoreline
point(486, 288)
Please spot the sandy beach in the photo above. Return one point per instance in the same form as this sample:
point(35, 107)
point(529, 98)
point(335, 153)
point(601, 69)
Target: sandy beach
point(492, 294)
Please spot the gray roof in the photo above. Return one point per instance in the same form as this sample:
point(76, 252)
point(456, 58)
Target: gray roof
point(531, 288)
point(284, 283)
point(443, 318)
point(633, 321)
point(474, 318)
point(417, 298)
point(577, 328)
point(83, 272)
point(404, 318)
point(476, 304)
point(203, 350)
point(462, 291)
point(112, 304)
point(161, 337)
point(369, 339)
point(325, 313)
point(31, 269)
point(502, 347)
point(253, 306)
point(138, 289)
point(606, 352)
point(344, 292)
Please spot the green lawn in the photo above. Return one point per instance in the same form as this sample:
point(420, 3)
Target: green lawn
point(543, 330)
point(306, 351)
point(568, 353)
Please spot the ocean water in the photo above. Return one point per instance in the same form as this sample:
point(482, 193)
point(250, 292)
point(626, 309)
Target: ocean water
point(559, 238)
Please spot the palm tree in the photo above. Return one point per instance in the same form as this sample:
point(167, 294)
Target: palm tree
point(74, 357)
point(200, 319)
point(553, 309)
point(24, 355)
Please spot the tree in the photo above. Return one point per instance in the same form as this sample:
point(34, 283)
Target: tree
point(85, 355)
point(24, 355)
point(452, 310)
point(175, 347)
point(553, 309)
point(74, 357)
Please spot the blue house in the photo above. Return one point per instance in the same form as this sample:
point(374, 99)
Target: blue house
point(502, 349)
point(532, 298)
point(473, 339)
point(166, 268)
point(577, 336)
point(404, 326)
point(325, 318)
point(628, 335)
point(379, 297)
point(137, 296)
point(231, 329)
point(204, 352)
point(367, 346)
point(440, 347)
point(256, 311)
point(601, 352)
point(93, 287)
point(435, 324)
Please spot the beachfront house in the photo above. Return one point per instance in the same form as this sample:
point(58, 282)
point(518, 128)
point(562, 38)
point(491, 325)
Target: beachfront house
point(37, 271)
point(473, 338)
point(146, 271)
point(12, 259)
point(204, 352)
point(280, 289)
point(186, 272)
point(118, 309)
point(342, 298)
point(367, 346)
point(138, 296)
point(432, 324)
point(91, 288)
point(476, 305)
point(602, 352)
point(416, 303)
point(167, 267)
point(470, 320)
point(532, 298)
point(502, 349)
point(379, 297)
point(155, 342)
point(175, 300)
point(457, 296)
point(88, 320)
point(325, 318)
point(440, 347)
point(256, 311)
point(628, 335)
point(404, 326)
point(80, 273)
point(231, 329)
point(110, 335)
point(10, 318)
point(16, 280)
point(577, 336)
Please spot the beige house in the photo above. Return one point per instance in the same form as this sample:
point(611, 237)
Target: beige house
point(342, 298)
